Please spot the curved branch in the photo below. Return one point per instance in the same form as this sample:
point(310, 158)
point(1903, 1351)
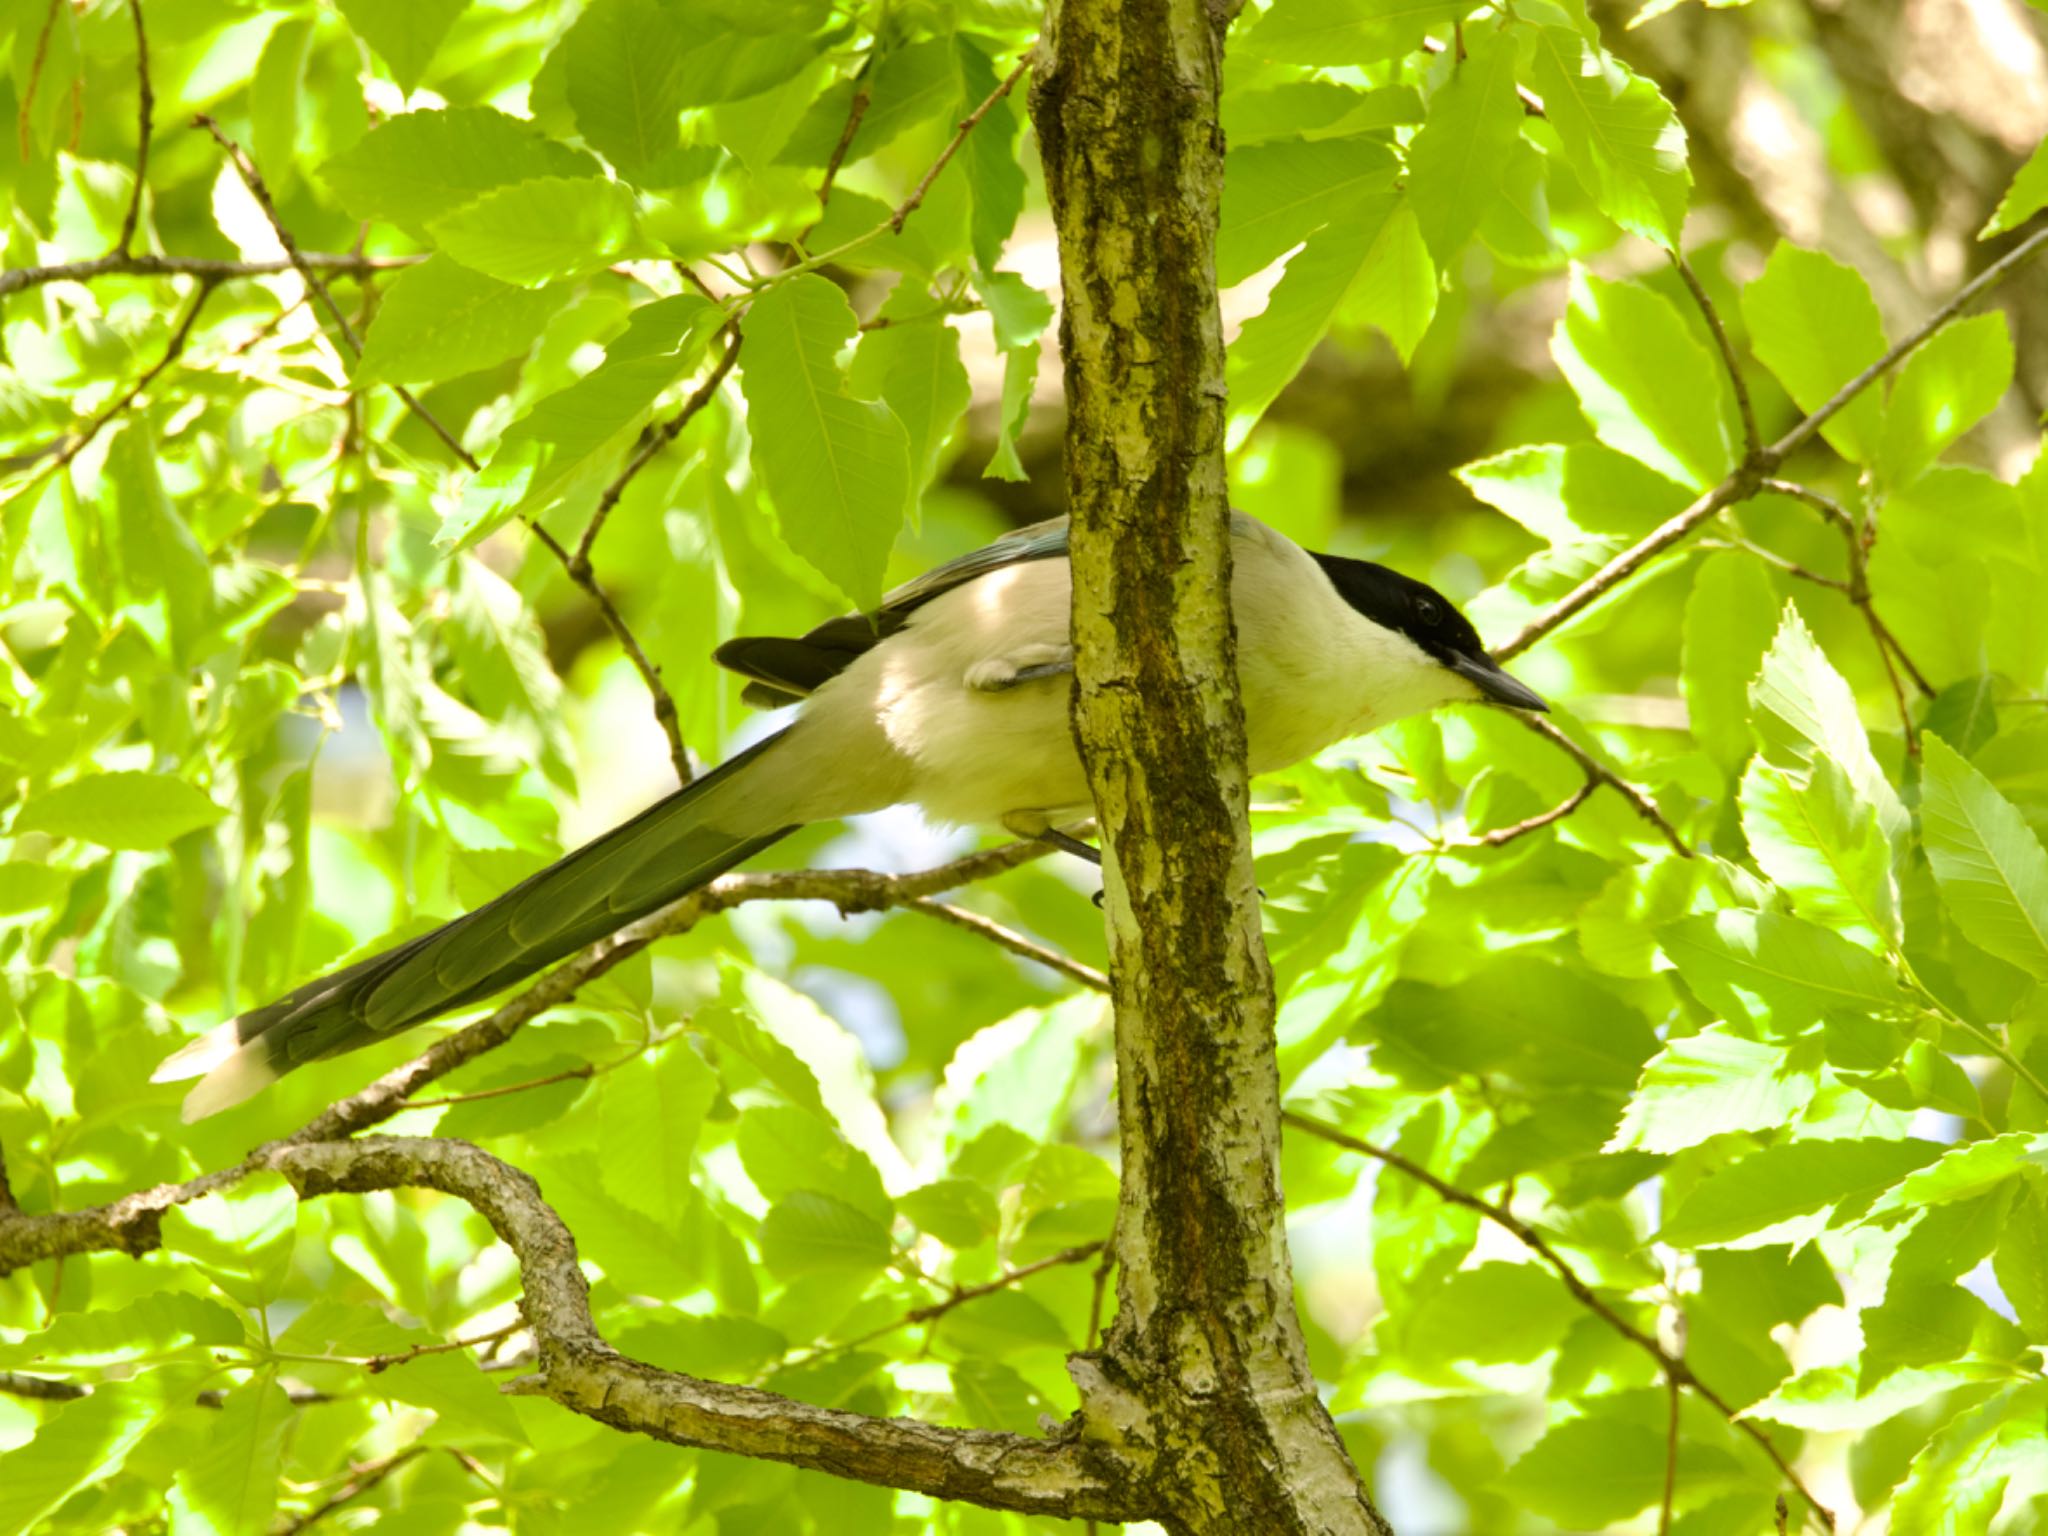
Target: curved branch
point(1064, 1476)
point(207, 268)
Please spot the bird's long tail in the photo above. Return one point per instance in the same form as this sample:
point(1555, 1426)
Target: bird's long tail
point(667, 851)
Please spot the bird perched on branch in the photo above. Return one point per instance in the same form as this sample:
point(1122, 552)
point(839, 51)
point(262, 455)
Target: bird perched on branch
point(952, 696)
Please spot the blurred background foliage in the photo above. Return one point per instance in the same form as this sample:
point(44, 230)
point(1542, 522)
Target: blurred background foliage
point(288, 676)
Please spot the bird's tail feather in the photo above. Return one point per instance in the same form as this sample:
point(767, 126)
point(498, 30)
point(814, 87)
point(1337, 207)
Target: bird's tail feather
point(668, 850)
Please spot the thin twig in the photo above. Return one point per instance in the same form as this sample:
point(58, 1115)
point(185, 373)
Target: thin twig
point(372, 1364)
point(1752, 440)
point(1675, 1369)
point(145, 108)
point(1500, 837)
point(1748, 477)
point(361, 1480)
point(35, 79)
point(253, 180)
point(207, 268)
point(1670, 1459)
point(1598, 772)
point(967, 125)
point(651, 444)
point(664, 705)
point(856, 110)
point(76, 444)
point(1010, 939)
point(1964, 296)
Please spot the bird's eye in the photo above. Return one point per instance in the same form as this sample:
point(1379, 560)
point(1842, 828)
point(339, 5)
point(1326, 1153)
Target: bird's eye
point(1427, 610)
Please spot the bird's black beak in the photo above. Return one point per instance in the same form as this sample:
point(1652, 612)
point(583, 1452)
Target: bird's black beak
point(1495, 686)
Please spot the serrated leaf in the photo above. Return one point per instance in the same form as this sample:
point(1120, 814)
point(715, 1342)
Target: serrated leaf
point(1276, 195)
point(1956, 1484)
point(1966, 1171)
point(837, 467)
point(1648, 387)
point(1493, 1312)
point(1730, 617)
point(1822, 845)
point(532, 232)
point(1325, 33)
point(1800, 970)
point(958, 1212)
point(1708, 1084)
point(498, 644)
point(1950, 384)
point(914, 368)
point(910, 84)
point(405, 33)
point(1792, 1179)
point(1274, 343)
point(993, 1396)
point(1020, 376)
point(154, 1324)
point(1619, 134)
point(649, 1114)
point(1813, 323)
point(420, 165)
point(1474, 119)
point(1396, 286)
point(1802, 712)
point(807, 1232)
point(1987, 860)
point(995, 176)
point(2020, 1262)
point(440, 319)
point(79, 1443)
point(785, 1150)
point(2027, 195)
point(233, 1482)
point(623, 74)
point(1592, 1472)
point(145, 811)
point(462, 1396)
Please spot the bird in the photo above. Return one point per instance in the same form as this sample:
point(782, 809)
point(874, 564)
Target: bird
point(952, 695)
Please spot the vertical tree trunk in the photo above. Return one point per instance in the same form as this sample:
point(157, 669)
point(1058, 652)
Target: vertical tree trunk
point(1204, 1366)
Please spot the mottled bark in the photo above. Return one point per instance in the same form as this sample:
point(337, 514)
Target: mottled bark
point(1203, 1371)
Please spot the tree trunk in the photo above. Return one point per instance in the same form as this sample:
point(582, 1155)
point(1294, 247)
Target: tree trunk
point(1204, 1370)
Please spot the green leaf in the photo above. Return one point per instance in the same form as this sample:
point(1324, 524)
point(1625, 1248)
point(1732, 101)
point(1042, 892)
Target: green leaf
point(914, 368)
point(155, 1324)
point(995, 174)
point(146, 811)
point(1926, 1323)
point(623, 64)
point(1648, 387)
point(440, 320)
point(2027, 195)
point(837, 467)
point(1956, 1484)
point(1953, 382)
point(405, 33)
point(908, 85)
point(1965, 1171)
point(1494, 1312)
point(649, 1114)
point(1277, 195)
point(1619, 134)
point(1327, 33)
point(1589, 1473)
point(958, 1212)
point(1274, 343)
point(1986, 858)
point(1707, 1084)
point(1822, 845)
point(807, 1232)
point(233, 1482)
point(420, 165)
point(1474, 119)
point(1730, 617)
point(532, 232)
point(497, 642)
point(785, 1150)
point(1020, 376)
point(1800, 970)
point(993, 1396)
point(1396, 286)
point(461, 1395)
point(1789, 1180)
point(1803, 712)
point(80, 1443)
point(1813, 323)
point(241, 1237)
point(2021, 1262)
point(26, 887)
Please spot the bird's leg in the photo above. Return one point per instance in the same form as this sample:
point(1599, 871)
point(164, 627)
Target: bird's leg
point(1069, 844)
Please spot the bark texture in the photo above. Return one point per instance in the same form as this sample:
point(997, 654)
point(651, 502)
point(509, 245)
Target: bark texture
point(1203, 1374)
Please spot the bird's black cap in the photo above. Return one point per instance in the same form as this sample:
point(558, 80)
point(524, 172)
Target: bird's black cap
point(1428, 618)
